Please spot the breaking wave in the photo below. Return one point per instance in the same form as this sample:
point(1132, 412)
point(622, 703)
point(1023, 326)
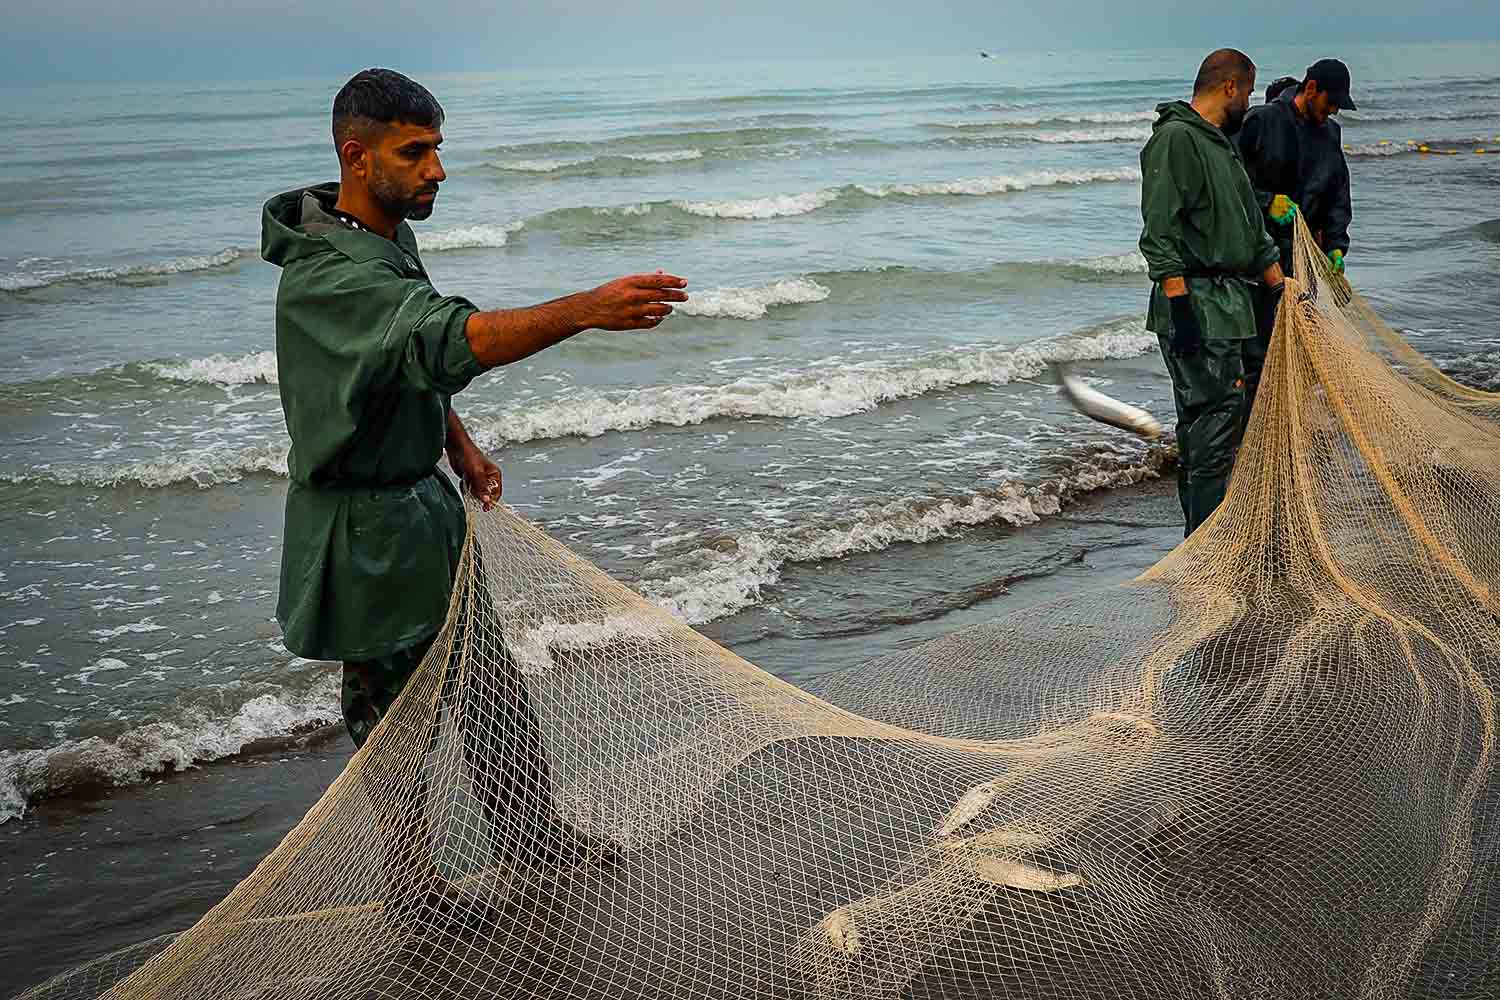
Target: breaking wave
point(155, 748)
point(832, 389)
point(730, 573)
point(218, 369)
point(753, 302)
point(202, 468)
point(37, 273)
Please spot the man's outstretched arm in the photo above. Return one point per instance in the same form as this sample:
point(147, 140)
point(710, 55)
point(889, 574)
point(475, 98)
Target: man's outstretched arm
point(635, 302)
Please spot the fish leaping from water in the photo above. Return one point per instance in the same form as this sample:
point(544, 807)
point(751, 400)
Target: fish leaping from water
point(1106, 409)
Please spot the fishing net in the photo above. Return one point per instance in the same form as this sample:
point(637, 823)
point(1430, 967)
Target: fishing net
point(1265, 768)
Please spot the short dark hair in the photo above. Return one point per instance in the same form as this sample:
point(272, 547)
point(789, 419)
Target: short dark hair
point(1278, 86)
point(382, 97)
point(1220, 67)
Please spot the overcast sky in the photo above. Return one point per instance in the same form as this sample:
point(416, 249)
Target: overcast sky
point(55, 40)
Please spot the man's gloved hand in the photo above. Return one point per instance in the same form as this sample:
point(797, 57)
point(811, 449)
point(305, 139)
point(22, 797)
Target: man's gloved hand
point(1187, 335)
point(1269, 299)
point(1336, 258)
point(1283, 210)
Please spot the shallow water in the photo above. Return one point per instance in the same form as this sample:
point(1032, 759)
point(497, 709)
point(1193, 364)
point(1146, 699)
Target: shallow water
point(884, 258)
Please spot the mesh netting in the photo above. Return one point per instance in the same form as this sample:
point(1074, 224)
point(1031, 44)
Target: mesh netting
point(1266, 768)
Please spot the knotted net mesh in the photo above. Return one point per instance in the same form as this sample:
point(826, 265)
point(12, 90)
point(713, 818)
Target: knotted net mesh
point(1265, 768)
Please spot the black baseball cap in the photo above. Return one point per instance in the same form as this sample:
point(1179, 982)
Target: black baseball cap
point(1332, 77)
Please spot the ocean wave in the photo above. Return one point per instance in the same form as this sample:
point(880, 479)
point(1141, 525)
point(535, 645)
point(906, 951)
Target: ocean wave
point(204, 468)
point(664, 145)
point(1091, 118)
point(219, 370)
point(753, 302)
point(738, 302)
point(1385, 148)
point(27, 776)
point(774, 207)
point(468, 237)
point(730, 574)
point(540, 166)
point(38, 273)
point(1435, 147)
point(1002, 184)
point(788, 205)
point(667, 156)
point(1378, 117)
point(1080, 136)
point(1123, 263)
point(834, 389)
point(552, 166)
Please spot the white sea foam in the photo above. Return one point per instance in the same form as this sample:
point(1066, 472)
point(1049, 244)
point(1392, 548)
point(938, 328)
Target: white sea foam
point(1124, 263)
point(37, 273)
point(541, 166)
point(667, 156)
point(220, 370)
point(753, 302)
point(832, 389)
point(468, 237)
point(1072, 136)
point(550, 166)
point(157, 747)
point(1089, 118)
point(203, 468)
point(776, 206)
point(730, 575)
point(534, 648)
point(1002, 184)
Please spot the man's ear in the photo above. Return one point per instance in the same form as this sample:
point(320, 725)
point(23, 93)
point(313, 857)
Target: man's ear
point(354, 156)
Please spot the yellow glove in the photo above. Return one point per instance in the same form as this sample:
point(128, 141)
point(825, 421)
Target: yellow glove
point(1336, 258)
point(1283, 210)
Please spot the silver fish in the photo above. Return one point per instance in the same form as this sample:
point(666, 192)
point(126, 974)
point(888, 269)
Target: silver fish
point(841, 930)
point(1106, 409)
point(1019, 875)
point(973, 802)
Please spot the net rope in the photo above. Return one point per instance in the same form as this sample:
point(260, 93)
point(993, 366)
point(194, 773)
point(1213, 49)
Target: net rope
point(1264, 768)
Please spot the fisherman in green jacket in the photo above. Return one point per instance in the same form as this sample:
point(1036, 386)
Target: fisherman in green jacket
point(1205, 244)
point(369, 356)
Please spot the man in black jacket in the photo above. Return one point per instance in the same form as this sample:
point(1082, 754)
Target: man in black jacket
point(1294, 153)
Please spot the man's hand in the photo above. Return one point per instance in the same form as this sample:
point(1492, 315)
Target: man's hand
point(1268, 300)
point(634, 302)
point(480, 476)
point(1187, 335)
point(1336, 258)
point(1283, 210)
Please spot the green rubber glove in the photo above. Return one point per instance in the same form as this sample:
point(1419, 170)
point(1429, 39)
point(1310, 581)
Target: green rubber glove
point(1336, 258)
point(1283, 210)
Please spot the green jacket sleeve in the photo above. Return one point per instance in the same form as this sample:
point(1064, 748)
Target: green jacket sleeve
point(378, 328)
point(1167, 166)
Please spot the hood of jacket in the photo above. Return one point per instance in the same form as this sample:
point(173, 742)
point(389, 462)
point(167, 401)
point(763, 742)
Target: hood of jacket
point(1174, 112)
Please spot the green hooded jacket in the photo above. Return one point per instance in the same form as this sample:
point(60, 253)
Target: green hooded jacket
point(1202, 223)
point(367, 354)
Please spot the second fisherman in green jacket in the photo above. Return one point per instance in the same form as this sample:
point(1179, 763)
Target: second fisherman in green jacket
point(1205, 244)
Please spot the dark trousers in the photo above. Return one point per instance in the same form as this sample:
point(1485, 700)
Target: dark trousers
point(502, 746)
point(1210, 391)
